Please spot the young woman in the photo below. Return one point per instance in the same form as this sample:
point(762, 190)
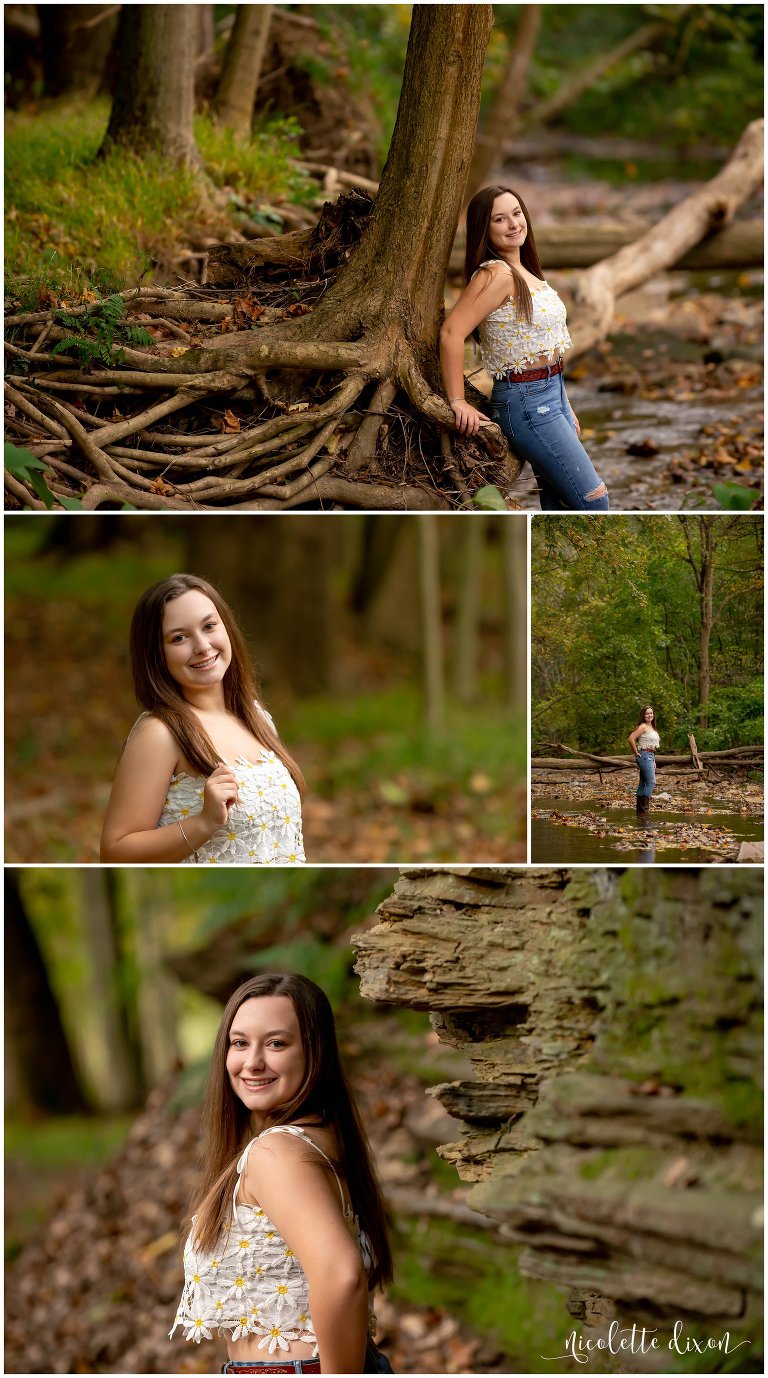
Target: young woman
point(644, 741)
point(289, 1236)
point(204, 776)
point(519, 321)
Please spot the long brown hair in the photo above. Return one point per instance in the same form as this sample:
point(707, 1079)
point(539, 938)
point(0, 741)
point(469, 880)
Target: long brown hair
point(159, 694)
point(324, 1096)
point(479, 247)
point(643, 712)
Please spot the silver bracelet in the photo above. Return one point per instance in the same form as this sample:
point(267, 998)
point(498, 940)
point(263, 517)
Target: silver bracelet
point(184, 835)
point(451, 400)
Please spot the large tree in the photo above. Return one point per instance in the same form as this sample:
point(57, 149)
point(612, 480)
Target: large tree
point(242, 67)
point(372, 335)
point(153, 104)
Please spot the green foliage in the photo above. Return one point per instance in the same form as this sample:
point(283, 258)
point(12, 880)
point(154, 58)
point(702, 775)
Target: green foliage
point(489, 498)
point(76, 222)
point(108, 319)
point(27, 467)
point(616, 624)
point(734, 497)
point(700, 83)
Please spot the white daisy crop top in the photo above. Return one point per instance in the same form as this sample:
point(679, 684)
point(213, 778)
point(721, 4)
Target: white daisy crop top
point(263, 828)
point(509, 345)
point(253, 1285)
point(648, 740)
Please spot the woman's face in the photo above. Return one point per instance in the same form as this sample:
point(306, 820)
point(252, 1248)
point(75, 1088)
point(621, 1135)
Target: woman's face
point(508, 228)
point(265, 1060)
point(197, 648)
point(648, 715)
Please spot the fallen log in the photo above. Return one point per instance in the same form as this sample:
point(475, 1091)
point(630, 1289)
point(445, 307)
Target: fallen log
point(580, 244)
point(710, 208)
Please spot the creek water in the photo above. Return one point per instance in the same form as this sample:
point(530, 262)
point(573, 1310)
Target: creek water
point(559, 843)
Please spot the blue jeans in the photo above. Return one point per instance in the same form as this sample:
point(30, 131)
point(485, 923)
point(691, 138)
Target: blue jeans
point(647, 765)
point(538, 423)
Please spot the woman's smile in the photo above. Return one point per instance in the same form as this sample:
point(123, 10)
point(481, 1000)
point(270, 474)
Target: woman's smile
point(265, 1061)
point(197, 647)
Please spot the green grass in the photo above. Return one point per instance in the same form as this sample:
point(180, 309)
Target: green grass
point(74, 222)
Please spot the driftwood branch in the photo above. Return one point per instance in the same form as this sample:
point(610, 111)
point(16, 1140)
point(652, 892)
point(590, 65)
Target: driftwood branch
point(707, 210)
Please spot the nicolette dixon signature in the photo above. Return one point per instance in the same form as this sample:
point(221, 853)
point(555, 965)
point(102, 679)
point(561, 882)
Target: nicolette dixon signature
point(640, 1340)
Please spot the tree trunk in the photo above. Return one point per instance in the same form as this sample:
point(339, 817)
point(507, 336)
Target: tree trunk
point(153, 104)
point(514, 536)
point(76, 43)
point(119, 1074)
point(432, 623)
point(281, 594)
point(709, 208)
point(376, 325)
point(40, 1072)
point(613, 1021)
point(505, 111)
point(468, 612)
point(242, 68)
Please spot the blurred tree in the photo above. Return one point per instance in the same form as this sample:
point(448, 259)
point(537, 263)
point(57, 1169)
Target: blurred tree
point(153, 103)
point(76, 42)
point(124, 1087)
point(432, 623)
point(242, 68)
point(281, 592)
point(468, 611)
point(508, 99)
point(40, 1073)
point(514, 537)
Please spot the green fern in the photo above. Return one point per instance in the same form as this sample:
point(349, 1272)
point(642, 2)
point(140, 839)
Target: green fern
point(108, 318)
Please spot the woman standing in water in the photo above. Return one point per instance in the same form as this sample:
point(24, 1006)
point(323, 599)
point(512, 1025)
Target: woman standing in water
point(289, 1237)
point(519, 321)
point(644, 741)
point(203, 776)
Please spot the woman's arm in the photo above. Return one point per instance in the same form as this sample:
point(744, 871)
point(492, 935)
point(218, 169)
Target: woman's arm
point(302, 1200)
point(633, 736)
point(483, 294)
point(139, 790)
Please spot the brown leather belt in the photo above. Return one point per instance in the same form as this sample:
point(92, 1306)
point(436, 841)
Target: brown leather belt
point(307, 1366)
point(534, 373)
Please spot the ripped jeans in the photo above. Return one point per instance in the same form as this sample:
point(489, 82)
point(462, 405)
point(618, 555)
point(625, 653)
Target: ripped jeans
point(537, 421)
point(646, 764)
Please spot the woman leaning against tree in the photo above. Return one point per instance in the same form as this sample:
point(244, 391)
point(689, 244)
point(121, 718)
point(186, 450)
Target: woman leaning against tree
point(520, 324)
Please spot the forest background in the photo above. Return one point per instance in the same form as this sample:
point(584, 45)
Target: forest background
point(616, 114)
point(392, 654)
point(662, 610)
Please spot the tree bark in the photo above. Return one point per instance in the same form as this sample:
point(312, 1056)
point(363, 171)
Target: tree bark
point(706, 211)
point(507, 102)
point(153, 105)
point(242, 68)
point(40, 1072)
point(702, 563)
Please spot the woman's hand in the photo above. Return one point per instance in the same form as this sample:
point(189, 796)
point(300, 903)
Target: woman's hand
point(468, 419)
point(219, 795)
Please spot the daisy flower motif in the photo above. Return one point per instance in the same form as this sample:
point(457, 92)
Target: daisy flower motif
point(242, 1328)
point(277, 1338)
point(197, 1328)
point(286, 1293)
point(237, 1290)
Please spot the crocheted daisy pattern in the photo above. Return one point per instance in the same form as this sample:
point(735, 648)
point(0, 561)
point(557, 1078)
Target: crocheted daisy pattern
point(262, 829)
point(509, 345)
